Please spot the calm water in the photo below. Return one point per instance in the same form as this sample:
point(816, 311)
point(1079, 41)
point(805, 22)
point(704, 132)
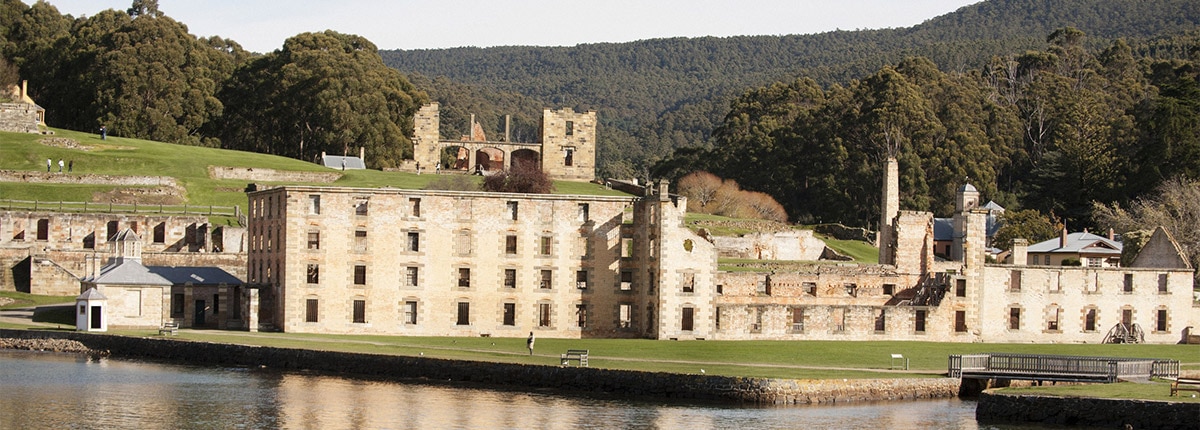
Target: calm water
point(42, 390)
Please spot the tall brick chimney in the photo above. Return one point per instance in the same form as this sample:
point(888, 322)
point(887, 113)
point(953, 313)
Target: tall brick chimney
point(1062, 238)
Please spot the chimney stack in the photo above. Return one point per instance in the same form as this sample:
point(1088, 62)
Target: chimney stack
point(1062, 238)
point(362, 154)
point(1111, 236)
point(507, 128)
point(1020, 252)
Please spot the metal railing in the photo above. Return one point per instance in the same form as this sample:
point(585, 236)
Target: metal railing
point(1059, 367)
point(122, 208)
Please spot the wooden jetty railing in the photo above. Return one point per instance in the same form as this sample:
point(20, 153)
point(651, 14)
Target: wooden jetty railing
point(1036, 367)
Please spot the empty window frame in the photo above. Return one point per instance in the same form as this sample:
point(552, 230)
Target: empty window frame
point(1127, 286)
point(1160, 320)
point(360, 274)
point(310, 310)
point(1014, 318)
point(360, 207)
point(410, 312)
point(411, 276)
point(464, 277)
point(568, 156)
point(414, 207)
point(464, 314)
point(546, 279)
point(511, 210)
point(545, 245)
point(510, 314)
point(626, 280)
point(314, 274)
point(360, 311)
point(510, 244)
point(624, 315)
point(414, 241)
point(1089, 320)
point(360, 240)
point(510, 278)
point(581, 279)
point(960, 321)
point(314, 240)
point(919, 321)
point(581, 315)
point(544, 315)
point(688, 320)
point(314, 204)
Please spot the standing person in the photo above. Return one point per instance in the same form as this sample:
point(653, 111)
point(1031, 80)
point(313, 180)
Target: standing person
point(529, 343)
point(103, 132)
point(48, 163)
point(70, 166)
point(60, 165)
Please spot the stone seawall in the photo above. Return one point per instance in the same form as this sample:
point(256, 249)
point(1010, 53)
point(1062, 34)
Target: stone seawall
point(1087, 412)
point(623, 382)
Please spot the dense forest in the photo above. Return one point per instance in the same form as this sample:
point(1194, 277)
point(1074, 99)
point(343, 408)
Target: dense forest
point(1041, 105)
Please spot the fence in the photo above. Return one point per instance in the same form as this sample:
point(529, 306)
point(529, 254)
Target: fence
point(92, 207)
point(1059, 367)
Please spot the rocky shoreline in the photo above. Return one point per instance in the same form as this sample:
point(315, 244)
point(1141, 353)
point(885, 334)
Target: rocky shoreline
point(50, 345)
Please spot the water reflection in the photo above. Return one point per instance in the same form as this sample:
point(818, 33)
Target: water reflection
point(55, 390)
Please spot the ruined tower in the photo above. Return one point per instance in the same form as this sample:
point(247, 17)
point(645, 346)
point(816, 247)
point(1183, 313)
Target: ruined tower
point(966, 201)
point(569, 144)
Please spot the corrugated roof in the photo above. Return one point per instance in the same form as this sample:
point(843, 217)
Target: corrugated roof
point(1079, 243)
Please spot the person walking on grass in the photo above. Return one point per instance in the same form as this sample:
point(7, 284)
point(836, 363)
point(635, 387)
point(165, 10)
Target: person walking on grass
point(60, 165)
point(529, 343)
point(48, 163)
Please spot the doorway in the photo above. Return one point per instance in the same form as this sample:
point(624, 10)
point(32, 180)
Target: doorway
point(199, 314)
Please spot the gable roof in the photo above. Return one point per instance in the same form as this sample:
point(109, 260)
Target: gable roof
point(195, 275)
point(126, 271)
point(1161, 251)
point(1078, 243)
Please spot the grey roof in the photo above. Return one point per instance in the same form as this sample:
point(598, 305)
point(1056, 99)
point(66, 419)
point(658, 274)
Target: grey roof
point(195, 275)
point(967, 188)
point(943, 228)
point(126, 234)
point(339, 162)
point(91, 294)
point(127, 271)
point(1078, 243)
point(993, 206)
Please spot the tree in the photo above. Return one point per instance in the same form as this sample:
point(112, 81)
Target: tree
point(520, 178)
point(323, 92)
point(700, 188)
point(1028, 224)
point(1174, 205)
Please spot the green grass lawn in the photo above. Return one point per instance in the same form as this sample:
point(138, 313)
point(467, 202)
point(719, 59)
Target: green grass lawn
point(188, 164)
point(24, 300)
point(774, 359)
point(1155, 390)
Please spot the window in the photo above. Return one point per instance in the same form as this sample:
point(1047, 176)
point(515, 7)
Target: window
point(411, 276)
point(689, 282)
point(510, 278)
point(881, 321)
point(177, 305)
point(314, 240)
point(581, 315)
point(1014, 282)
point(1089, 320)
point(1127, 287)
point(43, 229)
point(414, 241)
point(360, 275)
point(810, 288)
point(510, 314)
point(626, 247)
point(570, 128)
point(889, 289)
point(160, 232)
point(1047, 260)
point(851, 289)
point(314, 274)
point(1052, 318)
point(543, 315)
point(510, 245)
point(360, 311)
point(1162, 283)
point(581, 279)
point(798, 320)
point(625, 315)
point(919, 323)
point(546, 280)
point(216, 307)
point(410, 312)
point(960, 321)
point(544, 245)
point(314, 204)
point(462, 242)
point(360, 208)
point(310, 310)
point(512, 210)
point(1094, 262)
point(360, 240)
point(1160, 321)
point(688, 319)
point(584, 212)
point(464, 277)
point(569, 158)
point(960, 288)
point(464, 314)
point(626, 280)
point(1014, 318)
point(415, 207)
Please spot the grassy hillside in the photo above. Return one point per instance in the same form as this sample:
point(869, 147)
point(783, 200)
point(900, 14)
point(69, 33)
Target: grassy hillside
point(187, 164)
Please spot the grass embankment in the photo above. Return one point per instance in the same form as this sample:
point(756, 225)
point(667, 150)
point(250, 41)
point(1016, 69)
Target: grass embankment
point(187, 164)
point(717, 225)
point(770, 359)
point(1155, 390)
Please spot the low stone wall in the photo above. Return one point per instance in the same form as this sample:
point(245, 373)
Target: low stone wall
point(1086, 412)
point(64, 178)
point(271, 175)
point(841, 232)
point(52, 345)
point(623, 382)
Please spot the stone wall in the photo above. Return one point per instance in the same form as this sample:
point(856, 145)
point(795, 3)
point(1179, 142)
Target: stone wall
point(39, 177)
point(271, 175)
point(18, 117)
point(796, 245)
point(623, 382)
point(1086, 412)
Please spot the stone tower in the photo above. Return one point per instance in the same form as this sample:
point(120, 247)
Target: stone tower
point(966, 201)
point(426, 122)
point(889, 208)
point(569, 144)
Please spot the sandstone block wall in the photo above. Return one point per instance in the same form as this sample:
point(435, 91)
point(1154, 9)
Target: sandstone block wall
point(19, 117)
point(260, 174)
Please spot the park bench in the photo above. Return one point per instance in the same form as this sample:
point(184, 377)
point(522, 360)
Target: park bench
point(1184, 384)
point(171, 328)
point(579, 356)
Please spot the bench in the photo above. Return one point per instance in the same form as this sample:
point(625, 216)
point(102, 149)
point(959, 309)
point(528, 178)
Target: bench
point(580, 356)
point(171, 328)
point(1184, 384)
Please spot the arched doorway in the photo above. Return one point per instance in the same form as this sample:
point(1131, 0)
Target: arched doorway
point(526, 158)
point(489, 160)
point(455, 158)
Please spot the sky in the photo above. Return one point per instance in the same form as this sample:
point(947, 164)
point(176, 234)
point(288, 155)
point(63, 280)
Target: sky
point(263, 25)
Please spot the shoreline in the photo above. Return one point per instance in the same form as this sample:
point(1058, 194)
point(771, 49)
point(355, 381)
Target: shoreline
point(764, 391)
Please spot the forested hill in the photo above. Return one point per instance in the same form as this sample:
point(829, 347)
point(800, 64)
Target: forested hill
point(656, 95)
